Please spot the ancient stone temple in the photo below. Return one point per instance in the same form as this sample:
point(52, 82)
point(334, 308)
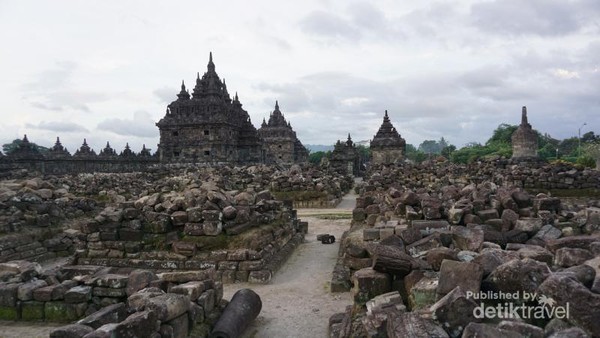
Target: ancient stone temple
point(345, 158)
point(280, 141)
point(387, 146)
point(524, 140)
point(208, 126)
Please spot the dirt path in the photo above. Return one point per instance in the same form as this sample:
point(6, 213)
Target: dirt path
point(297, 302)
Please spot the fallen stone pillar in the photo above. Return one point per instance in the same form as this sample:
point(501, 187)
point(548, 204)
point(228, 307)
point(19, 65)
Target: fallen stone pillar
point(244, 307)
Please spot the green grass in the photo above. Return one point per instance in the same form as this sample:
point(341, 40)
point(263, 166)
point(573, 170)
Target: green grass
point(299, 195)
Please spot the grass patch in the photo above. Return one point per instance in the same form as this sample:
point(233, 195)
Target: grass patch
point(332, 216)
point(299, 195)
point(589, 192)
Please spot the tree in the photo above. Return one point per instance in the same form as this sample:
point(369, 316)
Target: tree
point(502, 134)
point(414, 155)
point(315, 158)
point(448, 150)
point(432, 146)
point(8, 148)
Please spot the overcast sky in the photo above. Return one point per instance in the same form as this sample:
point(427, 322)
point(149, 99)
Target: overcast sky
point(106, 70)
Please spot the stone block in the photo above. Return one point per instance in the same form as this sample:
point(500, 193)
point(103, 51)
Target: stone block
point(25, 291)
point(207, 300)
point(454, 311)
point(71, 331)
point(50, 292)
point(370, 234)
point(488, 330)
point(517, 275)
point(529, 225)
point(32, 311)
point(567, 257)
point(465, 238)
point(139, 324)
point(138, 280)
point(115, 313)
point(467, 275)
point(168, 306)
point(78, 294)
point(64, 312)
point(584, 305)
point(186, 276)
point(369, 283)
point(109, 292)
point(260, 277)
point(192, 289)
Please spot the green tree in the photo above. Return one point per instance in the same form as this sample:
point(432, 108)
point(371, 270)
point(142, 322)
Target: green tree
point(315, 158)
point(414, 155)
point(502, 134)
point(8, 148)
point(448, 150)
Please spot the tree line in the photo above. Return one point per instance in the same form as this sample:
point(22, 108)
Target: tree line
point(499, 144)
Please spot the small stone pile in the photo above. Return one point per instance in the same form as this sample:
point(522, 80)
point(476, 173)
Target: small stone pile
point(106, 302)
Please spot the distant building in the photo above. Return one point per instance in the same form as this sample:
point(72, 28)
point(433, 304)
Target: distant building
point(208, 126)
point(387, 146)
point(524, 140)
point(345, 158)
point(280, 141)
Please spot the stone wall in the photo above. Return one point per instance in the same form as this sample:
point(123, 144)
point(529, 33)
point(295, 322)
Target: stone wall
point(101, 302)
point(74, 165)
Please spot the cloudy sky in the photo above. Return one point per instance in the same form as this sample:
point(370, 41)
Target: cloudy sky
point(106, 70)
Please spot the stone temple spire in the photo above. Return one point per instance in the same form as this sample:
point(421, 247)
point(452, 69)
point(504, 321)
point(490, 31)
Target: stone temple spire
point(183, 94)
point(524, 117)
point(524, 139)
point(211, 65)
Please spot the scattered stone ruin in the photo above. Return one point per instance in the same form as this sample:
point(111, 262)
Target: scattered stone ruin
point(524, 140)
point(428, 241)
point(387, 146)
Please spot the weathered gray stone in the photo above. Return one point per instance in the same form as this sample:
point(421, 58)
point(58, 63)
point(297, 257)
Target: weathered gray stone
point(138, 280)
point(518, 275)
point(78, 294)
point(115, 313)
point(481, 330)
point(71, 331)
point(467, 239)
point(527, 330)
point(467, 275)
point(584, 305)
point(454, 311)
point(139, 324)
point(412, 325)
point(567, 257)
point(168, 306)
point(192, 289)
point(25, 291)
point(369, 283)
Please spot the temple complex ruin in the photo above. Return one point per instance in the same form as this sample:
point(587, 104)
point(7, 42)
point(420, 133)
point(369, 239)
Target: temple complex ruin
point(208, 126)
point(280, 141)
point(387, 146)
point(345, 158)
point(524, 140)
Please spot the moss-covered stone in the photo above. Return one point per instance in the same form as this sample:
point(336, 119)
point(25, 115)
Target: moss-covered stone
point(63, 312)
point(9, 313)
point(31, 311)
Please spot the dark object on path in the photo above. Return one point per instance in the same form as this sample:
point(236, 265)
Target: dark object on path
point(328, 239)
point(321, 236)
point(244, 307)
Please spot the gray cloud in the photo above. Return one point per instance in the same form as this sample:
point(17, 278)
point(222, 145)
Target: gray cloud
point(320, 23)
point(141, 125)
point(165, 94)
point(538, 17)
point(58, 126)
